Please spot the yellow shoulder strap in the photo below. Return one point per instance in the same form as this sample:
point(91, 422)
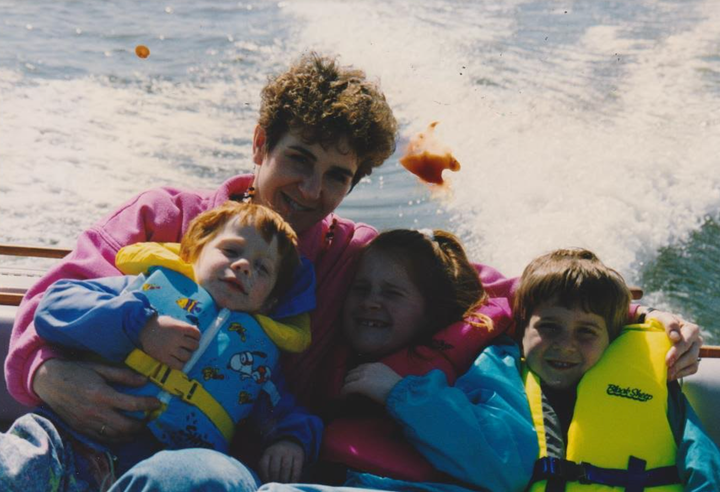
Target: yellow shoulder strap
point(291, 334)
point(534, 396)
point(177, 383)
point(137, 258)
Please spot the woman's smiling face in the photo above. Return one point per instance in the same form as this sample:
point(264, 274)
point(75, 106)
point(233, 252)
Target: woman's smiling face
point(561, 344)
point(302, 182)
point(384, 310)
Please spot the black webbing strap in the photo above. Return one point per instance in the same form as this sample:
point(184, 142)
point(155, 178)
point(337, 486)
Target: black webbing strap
point(634, 479)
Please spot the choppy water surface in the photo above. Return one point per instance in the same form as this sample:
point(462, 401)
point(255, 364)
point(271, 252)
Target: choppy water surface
point(580, 123)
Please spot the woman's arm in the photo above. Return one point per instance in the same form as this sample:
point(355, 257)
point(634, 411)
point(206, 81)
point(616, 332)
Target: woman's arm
point(80, 392)
point(682, 358)
point(155, 215)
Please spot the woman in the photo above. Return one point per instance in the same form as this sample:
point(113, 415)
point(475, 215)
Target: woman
point(321, 129)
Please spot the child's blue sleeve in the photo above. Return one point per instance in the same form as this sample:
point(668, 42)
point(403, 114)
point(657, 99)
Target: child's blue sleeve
point(698, 458)
point(300, 298)
point(287, 420)
point(95, 315)
point(479, 431)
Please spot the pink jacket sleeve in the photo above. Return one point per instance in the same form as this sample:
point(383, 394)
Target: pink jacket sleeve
point(156, 215)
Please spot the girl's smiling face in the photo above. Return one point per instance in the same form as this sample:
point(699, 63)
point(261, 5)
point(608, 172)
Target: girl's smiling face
point(561, 344)
point(384, 309)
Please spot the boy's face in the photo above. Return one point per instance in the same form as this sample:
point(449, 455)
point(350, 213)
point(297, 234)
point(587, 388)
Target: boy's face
point(238, 268)
point(384, 310)
point(561, 344)
point(300, 181)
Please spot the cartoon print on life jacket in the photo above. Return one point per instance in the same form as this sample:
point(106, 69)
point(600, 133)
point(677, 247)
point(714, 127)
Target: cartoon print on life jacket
point(191, 307)
point(212, 373)
point(147, 287)
point(243, 362)
point(190, 436)
point(240, 329)
point(244, 398)
point(262, 374)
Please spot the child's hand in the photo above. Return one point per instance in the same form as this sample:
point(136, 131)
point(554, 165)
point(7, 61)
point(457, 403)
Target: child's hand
point(169, 340)
point(682, 358)
point(374, 380)
point(282, 462)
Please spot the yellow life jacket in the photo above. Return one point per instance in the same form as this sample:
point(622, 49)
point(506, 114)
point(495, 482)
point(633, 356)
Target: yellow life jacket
point(619, 437)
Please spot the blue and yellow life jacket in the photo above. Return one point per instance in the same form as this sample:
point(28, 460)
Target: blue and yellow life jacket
point(203, 403)
point(237, 356)
point(619, 437)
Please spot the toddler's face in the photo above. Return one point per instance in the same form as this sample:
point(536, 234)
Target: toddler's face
point(384, 310)
point(561, 344)
point(238, 268)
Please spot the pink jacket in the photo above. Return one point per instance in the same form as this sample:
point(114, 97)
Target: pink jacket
point(162, 215)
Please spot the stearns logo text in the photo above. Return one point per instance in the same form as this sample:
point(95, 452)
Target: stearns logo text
point(631, 393)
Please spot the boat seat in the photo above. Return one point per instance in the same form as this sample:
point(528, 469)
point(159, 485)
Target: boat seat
point(703, 392)
point(9, 408)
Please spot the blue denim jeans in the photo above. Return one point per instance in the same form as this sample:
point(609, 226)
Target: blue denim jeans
point(307, 487)
point(188, 470)
point(38, 456)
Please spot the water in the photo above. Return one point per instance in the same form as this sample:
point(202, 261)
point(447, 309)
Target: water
point(578, 123)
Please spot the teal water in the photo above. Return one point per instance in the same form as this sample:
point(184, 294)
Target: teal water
point(687, 277)
point(584, 123)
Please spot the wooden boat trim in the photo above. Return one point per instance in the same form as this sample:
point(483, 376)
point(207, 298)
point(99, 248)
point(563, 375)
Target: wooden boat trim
point(33, 251)
point(710, 351)
point(10, 299)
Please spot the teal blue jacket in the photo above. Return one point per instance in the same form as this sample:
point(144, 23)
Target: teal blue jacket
point(479, 432)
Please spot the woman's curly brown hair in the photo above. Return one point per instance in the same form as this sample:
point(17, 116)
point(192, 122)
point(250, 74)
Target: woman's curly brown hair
point(327, 102)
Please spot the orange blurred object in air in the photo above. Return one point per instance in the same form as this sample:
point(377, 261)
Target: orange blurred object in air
point(142, 51)
point(427, 158)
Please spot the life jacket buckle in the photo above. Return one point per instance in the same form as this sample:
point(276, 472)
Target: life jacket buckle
point(187, 396)
point(569, 470)
point(176, 383)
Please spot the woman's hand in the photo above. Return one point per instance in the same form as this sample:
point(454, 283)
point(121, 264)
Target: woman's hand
point(682, 358)
point(282, 462)
point(374, 380)
point(169, 340)
point(80, 393)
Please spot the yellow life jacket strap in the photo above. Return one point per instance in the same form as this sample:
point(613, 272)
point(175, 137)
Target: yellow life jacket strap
point(177, 383)
point(136, 259)
point(633, 479)
point(291, 334)
point(534, 396)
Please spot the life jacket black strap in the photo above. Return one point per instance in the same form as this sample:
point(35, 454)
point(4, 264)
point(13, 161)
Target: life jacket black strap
point(634, 479)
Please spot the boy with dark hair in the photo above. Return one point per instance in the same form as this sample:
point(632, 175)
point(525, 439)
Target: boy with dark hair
point(603, 409)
